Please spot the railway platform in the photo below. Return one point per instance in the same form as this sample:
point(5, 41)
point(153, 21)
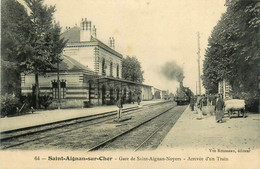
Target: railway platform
point(193, 132)
point(51, 116)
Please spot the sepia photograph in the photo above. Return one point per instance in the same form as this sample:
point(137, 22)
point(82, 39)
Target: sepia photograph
point(107, 84)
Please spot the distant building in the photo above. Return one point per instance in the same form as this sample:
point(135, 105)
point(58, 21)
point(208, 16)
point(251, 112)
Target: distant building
point(157, 93)
point(165, 94)
point(146, 92)
point(90, 73)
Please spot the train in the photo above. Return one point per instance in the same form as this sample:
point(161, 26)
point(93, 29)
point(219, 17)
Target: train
point(183, 95)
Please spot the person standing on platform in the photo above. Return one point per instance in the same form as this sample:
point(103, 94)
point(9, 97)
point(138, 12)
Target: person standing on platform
point(204, 100)
point(200, 103)
point(138, 100)
point(120, 107)
point(199, 107)
point(220, 104)
point(192, 103)
point(214, 100)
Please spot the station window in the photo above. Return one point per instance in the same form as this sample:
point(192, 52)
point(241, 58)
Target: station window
point(103, 67)
point(117, 70)
point(111, 69)
point(62, 89)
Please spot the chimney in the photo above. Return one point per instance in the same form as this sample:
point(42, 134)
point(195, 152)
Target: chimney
point(88, 23)
point(111, 42)
point(94, 32)
point(82, 24)
point(85, 30)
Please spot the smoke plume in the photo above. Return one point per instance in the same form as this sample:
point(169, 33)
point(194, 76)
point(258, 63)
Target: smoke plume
point(172, 71)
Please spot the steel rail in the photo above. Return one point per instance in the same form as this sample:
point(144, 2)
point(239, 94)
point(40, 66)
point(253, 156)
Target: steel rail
point(58, 123)
point(102, 144)
point(57, 127)
point(156, 131)
point(72, 119)
point(51, 135)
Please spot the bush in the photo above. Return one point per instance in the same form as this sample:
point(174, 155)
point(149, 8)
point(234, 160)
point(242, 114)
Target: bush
point(87, 104)
point(252, 104)
point(251, 99)
point(29, 100)
point(112, 101)
point(45, 100)
point(9, 105)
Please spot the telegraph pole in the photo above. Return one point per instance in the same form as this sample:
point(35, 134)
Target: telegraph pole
point(58, 82)
point(196, 88)
point(199, 64)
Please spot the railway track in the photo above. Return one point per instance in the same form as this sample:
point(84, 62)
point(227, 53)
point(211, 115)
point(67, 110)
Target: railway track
point(90, 120)
point(121, 137)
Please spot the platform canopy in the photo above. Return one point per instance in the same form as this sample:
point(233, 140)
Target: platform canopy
point(117, 81)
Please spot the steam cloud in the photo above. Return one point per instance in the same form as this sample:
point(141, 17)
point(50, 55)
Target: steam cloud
point(172, 71)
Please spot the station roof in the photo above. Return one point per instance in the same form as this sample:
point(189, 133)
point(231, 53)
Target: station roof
point(73, 37)
point(68, 64)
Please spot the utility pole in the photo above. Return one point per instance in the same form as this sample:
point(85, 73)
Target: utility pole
point(199, 64)
point(58, 83)
point(196, 88)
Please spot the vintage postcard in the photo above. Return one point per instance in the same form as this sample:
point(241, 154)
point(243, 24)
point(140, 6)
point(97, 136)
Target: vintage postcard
point(130, 84)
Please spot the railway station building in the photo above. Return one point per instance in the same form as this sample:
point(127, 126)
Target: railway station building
point(90, 72)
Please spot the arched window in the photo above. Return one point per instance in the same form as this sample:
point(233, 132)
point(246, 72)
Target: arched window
point(117, 70)
point(111, 69)
point(103, 67)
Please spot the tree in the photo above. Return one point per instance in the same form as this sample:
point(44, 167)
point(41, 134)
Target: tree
point(45, 43)
point(233, 50)
point(14, 26)
point(131, 69)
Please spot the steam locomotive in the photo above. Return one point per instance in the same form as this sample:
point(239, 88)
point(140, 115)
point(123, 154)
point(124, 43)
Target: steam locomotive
point(183, 95)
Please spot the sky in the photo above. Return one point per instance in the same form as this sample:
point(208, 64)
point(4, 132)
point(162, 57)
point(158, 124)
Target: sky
point(155, 31)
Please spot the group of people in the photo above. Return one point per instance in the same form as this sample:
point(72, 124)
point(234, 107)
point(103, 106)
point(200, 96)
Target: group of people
point(209, 100)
